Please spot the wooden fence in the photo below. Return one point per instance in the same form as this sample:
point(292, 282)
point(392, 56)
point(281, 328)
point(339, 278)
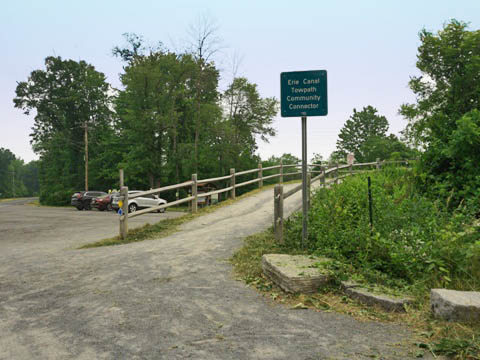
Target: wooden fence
point(232, 183)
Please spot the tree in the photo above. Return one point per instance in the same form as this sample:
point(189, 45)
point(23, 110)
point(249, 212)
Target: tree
point(29, 177)
point(284, 159)
point(387, 148)
point(449, 83)
point(147, 114)
point(16, 178)
point(204, 41)
point(135, 48)
point(165, 118)
point(445, 117)
point(71, 100)
point(317, 160)
point(337, 157)
point(6, 183)
point(361, 126)
point(248, 116)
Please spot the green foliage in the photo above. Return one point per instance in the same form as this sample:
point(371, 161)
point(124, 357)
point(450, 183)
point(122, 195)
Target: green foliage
point(386, 148)
point(450, 168)
point(30, 177)
point(6, 158)
point(337, 156)
point(155, 118)
point(247, 115)
point(16, 178)
point(448, 86)
point(460, 347)
point(248, 260)
point(414, 241)
point(445, 119)
point(285, 159)
point(68, 96)
point(360, 128)
point(169, 122)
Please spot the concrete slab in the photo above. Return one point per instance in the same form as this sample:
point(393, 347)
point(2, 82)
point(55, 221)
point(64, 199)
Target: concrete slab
point(386, 302)
point(455, 305)
point(295, 273)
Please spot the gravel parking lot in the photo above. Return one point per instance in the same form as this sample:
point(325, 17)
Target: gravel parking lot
point(44, 228)
point(170, 298)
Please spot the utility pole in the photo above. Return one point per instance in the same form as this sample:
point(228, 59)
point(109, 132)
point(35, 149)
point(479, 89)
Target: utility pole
point(86, 155)
point(13, 180)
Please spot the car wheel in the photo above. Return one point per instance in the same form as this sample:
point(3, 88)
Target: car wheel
point(132, 208)
point(162, 210)
point(79, 207)
point(87, 206)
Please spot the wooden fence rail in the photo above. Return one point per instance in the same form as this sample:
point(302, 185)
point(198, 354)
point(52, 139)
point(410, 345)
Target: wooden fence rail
point(231, 187)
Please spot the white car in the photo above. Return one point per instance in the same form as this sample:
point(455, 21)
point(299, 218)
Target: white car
point(141, 202)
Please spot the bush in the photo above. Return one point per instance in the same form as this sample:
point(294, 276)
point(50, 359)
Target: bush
point(56, 196)
point(414, 240)
point(449, 167)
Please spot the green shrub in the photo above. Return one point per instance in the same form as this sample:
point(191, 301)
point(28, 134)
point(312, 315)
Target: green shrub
point(56, 196)
point(414, 240)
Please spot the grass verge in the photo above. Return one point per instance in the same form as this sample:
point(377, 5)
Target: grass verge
point(454, 340)
point(36, 203)
point(9, 199)
point(167, 227)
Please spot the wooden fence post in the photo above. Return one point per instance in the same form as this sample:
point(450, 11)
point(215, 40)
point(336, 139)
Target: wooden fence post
point(378, 164)
point(351, 169)
point(124, 216)
point(260, 175)
point(336, 174)
point(323, 176)
point(194, 194)
point(121, 178)
point(281, 172)
point(278, 213)
point(232, 183)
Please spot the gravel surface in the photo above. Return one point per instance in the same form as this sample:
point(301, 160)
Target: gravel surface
point(171, 298)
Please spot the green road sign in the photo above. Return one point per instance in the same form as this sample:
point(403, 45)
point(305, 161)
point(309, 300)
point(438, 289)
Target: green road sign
point(304, 93)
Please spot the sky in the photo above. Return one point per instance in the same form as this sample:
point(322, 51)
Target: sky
point(367, 47)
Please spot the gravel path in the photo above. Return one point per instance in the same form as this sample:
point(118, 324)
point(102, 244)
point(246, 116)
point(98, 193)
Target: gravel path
point(171, 298)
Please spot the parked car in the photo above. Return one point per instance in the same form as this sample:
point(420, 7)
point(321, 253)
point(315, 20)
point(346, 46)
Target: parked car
point(104, 202)
point(141, 202)
point(82, 199)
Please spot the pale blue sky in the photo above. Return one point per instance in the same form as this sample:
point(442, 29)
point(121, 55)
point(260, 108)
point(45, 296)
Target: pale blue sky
point(367, 47)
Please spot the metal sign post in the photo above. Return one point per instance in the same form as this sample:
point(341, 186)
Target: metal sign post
point(304, 93)
point(304, 181)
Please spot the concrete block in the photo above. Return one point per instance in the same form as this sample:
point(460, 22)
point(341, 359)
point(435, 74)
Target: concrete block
point(455, 305)
point(295, 273)
point(388, 303)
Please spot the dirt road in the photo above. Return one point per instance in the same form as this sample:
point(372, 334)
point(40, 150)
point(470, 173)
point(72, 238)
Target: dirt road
point(172, 298)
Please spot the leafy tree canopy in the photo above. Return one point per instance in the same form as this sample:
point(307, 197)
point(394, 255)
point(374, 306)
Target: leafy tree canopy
point(445, 118)
point(358, 130)
point(449, 84)
point(68, 96)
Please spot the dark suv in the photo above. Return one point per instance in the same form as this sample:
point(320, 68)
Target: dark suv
point(82, 199)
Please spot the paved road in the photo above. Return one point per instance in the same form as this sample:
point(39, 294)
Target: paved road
point(171, 298)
